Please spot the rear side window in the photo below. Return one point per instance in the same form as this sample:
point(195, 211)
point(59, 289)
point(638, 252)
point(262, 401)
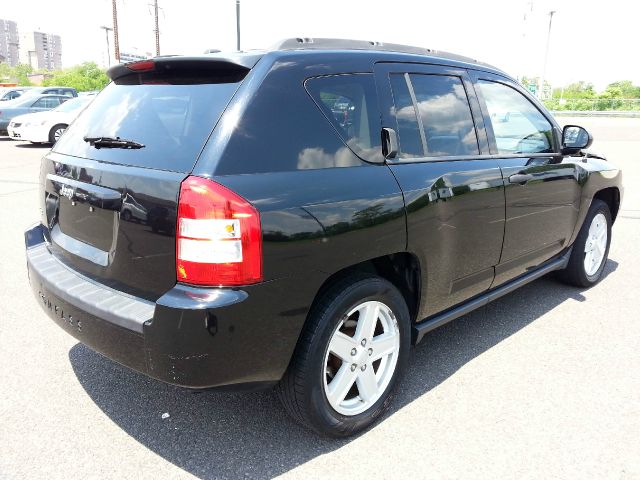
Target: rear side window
point(172, 117)
point(518, 126)
point(409, 140)
point(350, 103)
point(445, 114)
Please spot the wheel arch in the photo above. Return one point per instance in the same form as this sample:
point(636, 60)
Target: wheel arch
point(610, 196)
point(402, 269)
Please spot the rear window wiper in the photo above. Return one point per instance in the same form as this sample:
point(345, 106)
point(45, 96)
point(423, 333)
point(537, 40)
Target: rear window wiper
point(110, 142)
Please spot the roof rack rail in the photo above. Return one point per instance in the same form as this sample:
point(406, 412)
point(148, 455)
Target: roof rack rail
point(346, 44)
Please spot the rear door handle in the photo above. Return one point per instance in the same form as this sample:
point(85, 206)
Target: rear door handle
point(520, 178)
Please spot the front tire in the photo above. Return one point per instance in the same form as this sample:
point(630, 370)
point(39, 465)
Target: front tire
point(591, 248)
point(349, 358)
point(56, 132)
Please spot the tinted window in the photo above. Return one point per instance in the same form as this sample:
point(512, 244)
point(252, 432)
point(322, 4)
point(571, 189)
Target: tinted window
point(518, 125)
point(282, 129)
point(350, 104)
point(172, 117)
point(409, 140)
point(446, 116)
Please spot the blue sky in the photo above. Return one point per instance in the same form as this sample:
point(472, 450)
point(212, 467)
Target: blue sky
point(591, 40)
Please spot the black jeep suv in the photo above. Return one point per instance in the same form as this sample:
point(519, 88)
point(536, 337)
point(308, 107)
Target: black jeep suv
point(300, 217)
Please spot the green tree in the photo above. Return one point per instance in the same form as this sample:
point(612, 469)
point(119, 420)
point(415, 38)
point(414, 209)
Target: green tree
point(5, 72)
point(621, 89)
point(577, 90)
point(84, 77)
point(18, 74)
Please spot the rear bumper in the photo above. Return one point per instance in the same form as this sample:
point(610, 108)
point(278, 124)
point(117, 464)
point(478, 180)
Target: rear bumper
point(192, 337)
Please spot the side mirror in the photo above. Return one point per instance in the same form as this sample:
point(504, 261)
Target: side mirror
point(389, 143)
point(574, 139)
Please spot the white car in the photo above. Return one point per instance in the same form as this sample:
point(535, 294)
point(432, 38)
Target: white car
point(47, 127)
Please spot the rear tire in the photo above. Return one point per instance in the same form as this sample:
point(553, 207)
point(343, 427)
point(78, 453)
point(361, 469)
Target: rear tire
point(350, 357)
point(591, 248)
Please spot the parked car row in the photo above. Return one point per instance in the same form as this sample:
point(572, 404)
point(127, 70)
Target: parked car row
point(40, 118)
point(11, 93)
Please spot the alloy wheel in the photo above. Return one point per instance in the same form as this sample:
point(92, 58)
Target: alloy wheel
point(596, 245)
point(361, 358)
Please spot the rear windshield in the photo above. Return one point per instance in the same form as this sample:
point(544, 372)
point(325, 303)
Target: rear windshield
point(172, 117)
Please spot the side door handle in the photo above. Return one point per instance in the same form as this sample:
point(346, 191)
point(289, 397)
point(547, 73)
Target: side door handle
point(520, 178)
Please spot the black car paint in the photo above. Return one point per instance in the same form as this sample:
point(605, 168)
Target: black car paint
point(316, 223)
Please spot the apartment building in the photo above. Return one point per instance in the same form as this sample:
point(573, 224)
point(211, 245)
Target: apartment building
point(9, 42)
point(41, 50)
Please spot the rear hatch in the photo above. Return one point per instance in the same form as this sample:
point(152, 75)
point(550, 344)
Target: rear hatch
point(111, 183)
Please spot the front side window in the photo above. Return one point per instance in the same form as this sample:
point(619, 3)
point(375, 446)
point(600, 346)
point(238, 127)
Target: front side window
point(350, 103)
point(518, 125)
point(445, 114)
point(47, 103)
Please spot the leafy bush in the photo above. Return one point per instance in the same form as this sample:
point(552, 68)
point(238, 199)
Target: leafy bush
point(84, 77)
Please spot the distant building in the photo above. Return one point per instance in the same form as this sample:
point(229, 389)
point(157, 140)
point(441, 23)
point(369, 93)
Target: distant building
point(43, 51)
point(132, 57)
point(9, 41)
point(38, 78)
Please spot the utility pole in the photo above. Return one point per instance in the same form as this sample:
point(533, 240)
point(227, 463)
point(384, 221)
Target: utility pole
point(157, 30)
point(106, 33)
point(238, 25)
point(546, 53)
point(116, 41)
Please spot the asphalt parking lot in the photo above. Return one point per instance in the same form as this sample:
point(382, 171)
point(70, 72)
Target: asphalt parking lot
point(543, 383)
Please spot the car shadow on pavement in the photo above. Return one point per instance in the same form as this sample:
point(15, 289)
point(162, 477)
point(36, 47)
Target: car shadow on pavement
point(33, 145)
point(224, 435)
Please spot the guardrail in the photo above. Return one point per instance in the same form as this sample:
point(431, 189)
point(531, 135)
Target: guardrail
point(596, 113)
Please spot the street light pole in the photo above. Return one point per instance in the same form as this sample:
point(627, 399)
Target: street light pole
point(106, 33)
point(238, 25)
point(116, 41)
point(155, 7)
point(546, 53)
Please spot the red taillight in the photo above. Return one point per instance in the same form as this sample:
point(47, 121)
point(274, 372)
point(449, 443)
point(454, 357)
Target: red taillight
point(141, 66)
point(218, 238)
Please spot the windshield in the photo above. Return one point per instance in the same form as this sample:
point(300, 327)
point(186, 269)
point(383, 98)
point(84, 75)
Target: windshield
point(72, 105)
point(172, 118)
point(32, 91)
point(21, 101)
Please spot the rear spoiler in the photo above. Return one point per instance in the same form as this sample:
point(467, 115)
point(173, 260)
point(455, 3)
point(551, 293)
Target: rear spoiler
point(239, 64)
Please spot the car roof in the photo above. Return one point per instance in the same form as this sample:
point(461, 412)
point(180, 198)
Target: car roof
point(46, 95)
point(367, 45)
point(372, 51)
